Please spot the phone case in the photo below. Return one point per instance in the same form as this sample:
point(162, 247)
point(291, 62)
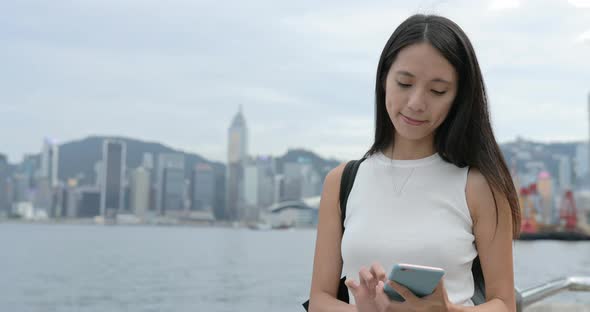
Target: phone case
point(421, 280)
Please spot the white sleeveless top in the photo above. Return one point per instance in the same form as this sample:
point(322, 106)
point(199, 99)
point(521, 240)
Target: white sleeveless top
point(411, 211)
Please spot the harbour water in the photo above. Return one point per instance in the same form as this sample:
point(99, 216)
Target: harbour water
point(57, 267)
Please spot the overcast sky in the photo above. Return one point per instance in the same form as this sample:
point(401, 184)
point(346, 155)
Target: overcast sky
point(176, 72)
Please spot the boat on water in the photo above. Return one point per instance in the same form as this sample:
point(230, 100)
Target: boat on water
point(260, 226)
point(570, 226)
point(580, 232)
point(560, 236)
point(268, 227)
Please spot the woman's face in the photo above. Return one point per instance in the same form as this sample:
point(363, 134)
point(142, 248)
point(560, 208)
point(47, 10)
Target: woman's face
point(419, 91)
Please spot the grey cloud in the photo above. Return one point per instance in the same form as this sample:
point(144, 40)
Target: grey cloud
point(177, 71)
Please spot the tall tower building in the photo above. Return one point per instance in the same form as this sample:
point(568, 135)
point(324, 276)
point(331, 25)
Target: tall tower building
point(237, 154)
point(147, 161)
point(46, 182)
point(581, 162)
point(171, 185)
point(238, 139)
point(29, 168)
point(588, 145)
point(111, 178)
point(50, 161)
point(564, 172)
point(140, 191)
point(4, 200)
point(202, 188)
point(259, 187)
point(301, 180)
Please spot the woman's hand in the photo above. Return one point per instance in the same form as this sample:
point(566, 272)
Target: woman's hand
point(438, 301)
point(366, 291)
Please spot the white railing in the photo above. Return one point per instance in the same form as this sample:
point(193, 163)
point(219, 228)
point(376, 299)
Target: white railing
point(535, 294)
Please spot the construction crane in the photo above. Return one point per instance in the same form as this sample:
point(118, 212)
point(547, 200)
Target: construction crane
point(568, 213)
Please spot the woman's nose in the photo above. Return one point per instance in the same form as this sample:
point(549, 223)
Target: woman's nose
point(416, 101)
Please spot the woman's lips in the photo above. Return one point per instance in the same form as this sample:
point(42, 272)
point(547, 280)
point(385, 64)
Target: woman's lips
point(411, 121)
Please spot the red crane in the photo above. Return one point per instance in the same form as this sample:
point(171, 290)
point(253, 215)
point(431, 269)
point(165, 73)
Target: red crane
point(568, 213)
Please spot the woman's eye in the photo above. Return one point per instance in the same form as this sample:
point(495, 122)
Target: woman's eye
point(438, 92)
point(403, 85)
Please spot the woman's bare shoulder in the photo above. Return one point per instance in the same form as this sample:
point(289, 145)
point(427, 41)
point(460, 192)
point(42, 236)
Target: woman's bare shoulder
point(333, 177)
point(478, 192)
point(331, 189)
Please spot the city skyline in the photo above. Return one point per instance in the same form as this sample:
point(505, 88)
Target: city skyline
point(254, 189)
point(254, 155)
point(303, 72)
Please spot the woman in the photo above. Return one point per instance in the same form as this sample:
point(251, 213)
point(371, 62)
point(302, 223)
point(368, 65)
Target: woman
point(434, 188)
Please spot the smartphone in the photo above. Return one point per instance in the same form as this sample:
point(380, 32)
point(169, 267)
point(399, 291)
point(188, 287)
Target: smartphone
point(420, 280)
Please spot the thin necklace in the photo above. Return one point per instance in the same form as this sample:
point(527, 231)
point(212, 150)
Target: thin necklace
point(398, 192)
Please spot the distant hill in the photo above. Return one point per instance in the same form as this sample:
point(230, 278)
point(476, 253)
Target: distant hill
point(77, 158)
point(544, 152)
point(322, 166)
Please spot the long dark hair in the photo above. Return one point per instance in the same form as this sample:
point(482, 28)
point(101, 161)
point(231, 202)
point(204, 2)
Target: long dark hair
point(465, 138)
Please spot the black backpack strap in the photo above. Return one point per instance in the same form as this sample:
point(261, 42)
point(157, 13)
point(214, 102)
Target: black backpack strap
point(346, 183)
point(479, 295)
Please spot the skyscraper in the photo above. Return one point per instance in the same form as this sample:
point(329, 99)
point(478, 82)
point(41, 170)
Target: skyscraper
point(43, 196)
point(111, 178)
point(219, 203)
point(202, 188)
point(301, 180)
point(147, 161)
point(21, 187)
point(588, 145)
point(581, 161)
point(564, 172)
point(171, 185)
point(50, 161)
point(267, 167)
point(238, 139)
point(4, 204)
point(140, 191)
point(251, 191)
point(237, 153)
point(29, 167)
point(89, 203)
point(72, 198)
point(259, 189)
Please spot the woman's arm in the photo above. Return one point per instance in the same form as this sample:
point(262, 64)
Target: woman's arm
point(327, 263)
point(494, 243)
